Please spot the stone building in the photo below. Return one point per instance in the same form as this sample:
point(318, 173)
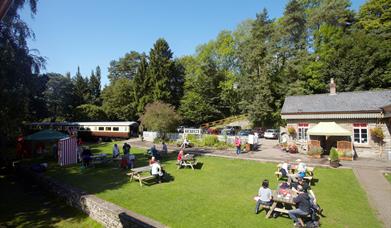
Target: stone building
point(357, 112)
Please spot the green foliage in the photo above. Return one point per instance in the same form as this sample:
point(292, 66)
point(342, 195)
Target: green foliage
point(125, 67)
point(90, 112)
point(118, 100)
point(59, 97)
point(210, 140)
point(161, 117)
point(95, 87)
point(375, 16)
point(81, 92)
point(377, 134)
point(315, 150)
point(291, 131)
point(333, 154)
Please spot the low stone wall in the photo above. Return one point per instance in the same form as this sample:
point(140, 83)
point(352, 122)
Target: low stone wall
point(106, 213)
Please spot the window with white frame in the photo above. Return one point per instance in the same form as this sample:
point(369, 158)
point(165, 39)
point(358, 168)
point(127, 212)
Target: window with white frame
point(303, 128)
point(360, 133)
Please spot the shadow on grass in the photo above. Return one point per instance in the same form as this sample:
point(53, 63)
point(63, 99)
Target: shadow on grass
point(24, 204)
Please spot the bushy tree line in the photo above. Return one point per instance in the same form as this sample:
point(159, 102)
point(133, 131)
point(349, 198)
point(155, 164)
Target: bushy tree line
point(248, 70)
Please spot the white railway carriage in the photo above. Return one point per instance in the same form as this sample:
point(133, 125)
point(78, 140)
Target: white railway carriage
point(107, 129)
point(123, 129)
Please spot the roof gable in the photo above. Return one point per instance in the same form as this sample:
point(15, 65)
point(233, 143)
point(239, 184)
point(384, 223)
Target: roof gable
point(365, 101)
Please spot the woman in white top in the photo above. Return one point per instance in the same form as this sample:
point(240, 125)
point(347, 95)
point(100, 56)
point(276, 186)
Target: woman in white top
point(264, 196)
point(115, 151)
point(156, 170)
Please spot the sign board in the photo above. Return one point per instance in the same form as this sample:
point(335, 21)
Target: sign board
point(192, 131)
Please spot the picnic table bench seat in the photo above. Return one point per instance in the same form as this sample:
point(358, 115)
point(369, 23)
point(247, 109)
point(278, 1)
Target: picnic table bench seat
point(136, 174)
point(187, 161)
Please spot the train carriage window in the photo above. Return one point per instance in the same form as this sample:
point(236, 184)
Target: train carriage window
point(101, 128)
point(115, 128)
point(108, 128)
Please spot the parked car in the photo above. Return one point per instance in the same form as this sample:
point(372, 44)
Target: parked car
point(271, 134)
point(244, 132)
point(260, 131)
point(231, 130)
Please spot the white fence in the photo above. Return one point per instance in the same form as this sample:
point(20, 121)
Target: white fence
point(151, 135)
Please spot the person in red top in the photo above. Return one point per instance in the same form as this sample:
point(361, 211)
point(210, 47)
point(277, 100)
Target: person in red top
point(238, 145)
point(180, 156)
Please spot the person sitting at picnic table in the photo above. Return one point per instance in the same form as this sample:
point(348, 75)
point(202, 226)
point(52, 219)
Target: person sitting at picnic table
point(303, 206)
point(301, 172)
point(264, 196)
point(157, 171)
point(307, 189)
point(115, 151)
point(86, 157)
point(180, 156)
point(185, 143)
point(284, 169)
point(152, 161)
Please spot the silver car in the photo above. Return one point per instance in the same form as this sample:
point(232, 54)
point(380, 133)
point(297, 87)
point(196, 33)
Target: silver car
point(271, 134)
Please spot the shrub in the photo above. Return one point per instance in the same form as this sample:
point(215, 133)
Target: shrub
point(209, 140)
point(292, 148)
point(377, 134)
point(291, 131)
point(316, 150)
point(333, 154)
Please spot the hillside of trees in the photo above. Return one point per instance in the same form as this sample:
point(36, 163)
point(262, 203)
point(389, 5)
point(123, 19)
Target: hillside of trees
point(246, 71)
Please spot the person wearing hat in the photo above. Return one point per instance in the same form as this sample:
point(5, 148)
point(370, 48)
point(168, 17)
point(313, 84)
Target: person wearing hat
point(302, 201)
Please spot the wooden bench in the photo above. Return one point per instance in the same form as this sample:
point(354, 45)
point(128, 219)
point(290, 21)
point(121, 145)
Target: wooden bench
point(136, 174)
point(187, 161)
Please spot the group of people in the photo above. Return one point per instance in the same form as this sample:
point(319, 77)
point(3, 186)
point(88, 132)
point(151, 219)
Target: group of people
point(305, 198)
point(128, 159)
point(301, 170)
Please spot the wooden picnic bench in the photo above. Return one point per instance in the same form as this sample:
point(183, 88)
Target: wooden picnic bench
point(100, 159)
point(286, 202)
point(136, 173)
point(187, 161)
point(309, 172)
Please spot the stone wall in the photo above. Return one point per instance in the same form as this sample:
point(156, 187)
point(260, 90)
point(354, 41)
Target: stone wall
point(106, 213)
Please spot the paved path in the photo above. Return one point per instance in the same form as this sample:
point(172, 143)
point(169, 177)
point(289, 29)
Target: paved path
point(369, 172)
point(378, 190)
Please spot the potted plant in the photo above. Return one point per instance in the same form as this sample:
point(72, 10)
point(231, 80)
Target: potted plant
point(292, 132)
point(292, 148)
point(334, 158)
point(377, 134)
point(315, 152)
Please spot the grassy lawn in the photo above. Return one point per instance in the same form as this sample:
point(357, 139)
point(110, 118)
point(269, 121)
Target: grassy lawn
point(388, 177)
point(219, 194)
point(25, 205)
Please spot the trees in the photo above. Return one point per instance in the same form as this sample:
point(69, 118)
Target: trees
point(19, 66)
point(90, 112)
point(375, 16)
point(58, 97)
point(161, 117)
point(94, 87)
point(161, 71)
point(81, 92)
point(125, 67)
point(118, 100)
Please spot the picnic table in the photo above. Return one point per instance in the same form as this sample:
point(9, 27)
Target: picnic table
point(99, 159)
point(286, 202)
point(187, 161)
point(292, 169)
point(137, 174)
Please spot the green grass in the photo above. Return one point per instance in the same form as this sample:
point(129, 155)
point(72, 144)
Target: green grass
point(388, 177)
point(219, 194)
point(25, 205)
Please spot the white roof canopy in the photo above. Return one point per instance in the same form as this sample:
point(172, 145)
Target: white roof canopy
point(328, 129)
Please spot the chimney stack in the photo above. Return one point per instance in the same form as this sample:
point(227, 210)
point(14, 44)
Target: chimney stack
point(333, 89)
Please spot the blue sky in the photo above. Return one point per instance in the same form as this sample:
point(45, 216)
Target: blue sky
point(87, 33)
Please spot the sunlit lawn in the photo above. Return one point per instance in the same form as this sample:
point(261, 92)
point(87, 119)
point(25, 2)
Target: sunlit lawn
point(388, 177)
point(219, 194)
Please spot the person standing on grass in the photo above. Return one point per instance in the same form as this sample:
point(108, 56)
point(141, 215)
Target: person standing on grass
point(115, 151)
point(164, 149)
point(302, 201)
point(264, 196)
point(238, 145)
